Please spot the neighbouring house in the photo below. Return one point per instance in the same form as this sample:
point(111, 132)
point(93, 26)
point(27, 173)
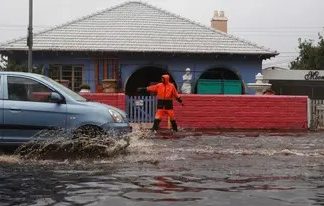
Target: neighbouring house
point(131, 45)
point(296, 82)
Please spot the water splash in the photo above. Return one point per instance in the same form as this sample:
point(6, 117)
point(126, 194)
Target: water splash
point(143, 146)
point(10, 159)
point(58, 145)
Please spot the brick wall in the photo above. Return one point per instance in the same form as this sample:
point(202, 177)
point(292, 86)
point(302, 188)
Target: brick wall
point(114, 99)
point(242, 112)
point(230, 112)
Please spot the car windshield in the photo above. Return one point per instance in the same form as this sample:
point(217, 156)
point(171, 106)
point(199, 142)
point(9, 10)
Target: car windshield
point(66, 90)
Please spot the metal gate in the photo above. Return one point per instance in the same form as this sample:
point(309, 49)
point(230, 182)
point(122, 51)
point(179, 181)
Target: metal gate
point(316, 114)
point(141, 109)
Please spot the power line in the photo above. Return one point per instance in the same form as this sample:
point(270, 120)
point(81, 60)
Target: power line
point(280, 27)
point(277, 62)
point(284, 56)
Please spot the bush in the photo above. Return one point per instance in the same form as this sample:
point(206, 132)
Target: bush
point(85, 86)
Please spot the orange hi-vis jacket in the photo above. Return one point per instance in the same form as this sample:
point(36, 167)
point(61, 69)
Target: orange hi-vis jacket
point(165, 92)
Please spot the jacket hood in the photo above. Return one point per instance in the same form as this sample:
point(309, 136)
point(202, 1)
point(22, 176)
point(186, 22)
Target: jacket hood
point(166, 78)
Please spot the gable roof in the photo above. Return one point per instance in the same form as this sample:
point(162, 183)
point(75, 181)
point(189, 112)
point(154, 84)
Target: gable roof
point(137, 27)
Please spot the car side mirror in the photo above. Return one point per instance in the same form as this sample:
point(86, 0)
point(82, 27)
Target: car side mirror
point(56, 98)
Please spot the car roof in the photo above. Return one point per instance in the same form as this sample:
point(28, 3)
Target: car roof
point(21, 74)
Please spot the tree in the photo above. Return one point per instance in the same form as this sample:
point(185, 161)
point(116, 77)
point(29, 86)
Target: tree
point(311, 57)
point(10, 64)
point(3, 63)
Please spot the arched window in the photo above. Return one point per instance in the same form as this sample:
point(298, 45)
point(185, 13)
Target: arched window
point(219, 81)
point(144, 77)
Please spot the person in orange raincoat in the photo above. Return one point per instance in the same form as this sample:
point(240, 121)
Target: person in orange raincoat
point(165, 92)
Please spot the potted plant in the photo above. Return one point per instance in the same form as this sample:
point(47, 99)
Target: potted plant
point(109, 85)
point(85, 88)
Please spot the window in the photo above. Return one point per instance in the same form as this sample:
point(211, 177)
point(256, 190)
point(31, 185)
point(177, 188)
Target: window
point(1, 93)
point(55, 72)
point(69, 75)
point(106, 68)
point(23, 89)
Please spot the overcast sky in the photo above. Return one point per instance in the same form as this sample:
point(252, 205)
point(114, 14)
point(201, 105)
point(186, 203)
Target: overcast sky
point(275, 24)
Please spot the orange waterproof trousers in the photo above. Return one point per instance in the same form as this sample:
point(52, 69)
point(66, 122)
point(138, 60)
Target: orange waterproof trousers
point(160, 112)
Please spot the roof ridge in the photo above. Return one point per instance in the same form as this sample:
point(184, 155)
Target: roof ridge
point(206, 27)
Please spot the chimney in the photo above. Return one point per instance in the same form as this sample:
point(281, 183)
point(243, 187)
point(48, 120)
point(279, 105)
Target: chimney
point(219, 21)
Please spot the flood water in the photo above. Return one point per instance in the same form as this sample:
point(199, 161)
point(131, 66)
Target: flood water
point(237, 168)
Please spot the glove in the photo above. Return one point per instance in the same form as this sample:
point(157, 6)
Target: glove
point(180, 101)
point(141, 89)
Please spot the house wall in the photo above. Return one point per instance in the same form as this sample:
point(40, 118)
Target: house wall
point(88, 65)
point(245, 66)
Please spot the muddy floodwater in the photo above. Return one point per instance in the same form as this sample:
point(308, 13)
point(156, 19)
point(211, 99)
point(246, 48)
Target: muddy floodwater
point(225, 168)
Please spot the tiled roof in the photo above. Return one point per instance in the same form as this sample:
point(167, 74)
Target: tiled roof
point(137, 27)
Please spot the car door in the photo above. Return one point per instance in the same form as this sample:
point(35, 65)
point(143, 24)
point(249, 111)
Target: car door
point(28, 110)
point(1, 107)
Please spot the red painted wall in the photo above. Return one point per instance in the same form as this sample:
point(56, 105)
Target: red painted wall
point(114, 99)
point(230, 112)
point(242, 112)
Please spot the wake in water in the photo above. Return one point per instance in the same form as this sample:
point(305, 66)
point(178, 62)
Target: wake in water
point(61, 146)
point(57, 145)
point(143, 145)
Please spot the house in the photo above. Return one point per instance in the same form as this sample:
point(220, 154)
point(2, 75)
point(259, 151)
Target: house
point(131, 45)
point(296, 82)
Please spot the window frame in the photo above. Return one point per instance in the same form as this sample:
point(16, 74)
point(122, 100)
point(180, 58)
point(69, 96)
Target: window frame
point(60, 73)
point(2, 85)
point(6, 91)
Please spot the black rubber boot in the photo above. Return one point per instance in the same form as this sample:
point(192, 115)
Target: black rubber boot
point(174, 125)
point(156, 124)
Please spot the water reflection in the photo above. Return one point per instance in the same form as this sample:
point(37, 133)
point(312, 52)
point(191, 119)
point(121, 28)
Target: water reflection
point(222, 169)
point(319, 198)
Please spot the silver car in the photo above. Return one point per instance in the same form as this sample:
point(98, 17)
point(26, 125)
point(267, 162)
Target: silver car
point(30, 103)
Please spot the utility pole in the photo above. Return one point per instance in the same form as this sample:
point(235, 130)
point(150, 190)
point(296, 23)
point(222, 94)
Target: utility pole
point(30, 37)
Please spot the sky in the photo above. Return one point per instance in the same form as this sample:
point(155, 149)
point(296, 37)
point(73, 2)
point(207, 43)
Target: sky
point(274, 24)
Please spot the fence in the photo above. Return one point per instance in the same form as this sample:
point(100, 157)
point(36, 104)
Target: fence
point(141, 109)
point(316, 114)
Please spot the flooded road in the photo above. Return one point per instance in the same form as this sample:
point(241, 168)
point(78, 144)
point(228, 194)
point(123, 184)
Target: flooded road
point(248, 168)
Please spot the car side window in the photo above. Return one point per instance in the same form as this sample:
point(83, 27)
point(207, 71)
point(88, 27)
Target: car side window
point(24, 89)
point(1, 89)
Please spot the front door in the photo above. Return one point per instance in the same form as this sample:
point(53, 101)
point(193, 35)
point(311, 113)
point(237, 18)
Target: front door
point(28, 110)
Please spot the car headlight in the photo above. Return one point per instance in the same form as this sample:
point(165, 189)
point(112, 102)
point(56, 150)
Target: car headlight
point(116, 116)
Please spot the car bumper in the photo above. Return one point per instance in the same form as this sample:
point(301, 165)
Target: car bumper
point(119, 128)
